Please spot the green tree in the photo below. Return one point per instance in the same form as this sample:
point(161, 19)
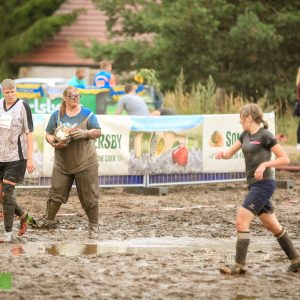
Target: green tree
point(26, 24)
point(250, 47)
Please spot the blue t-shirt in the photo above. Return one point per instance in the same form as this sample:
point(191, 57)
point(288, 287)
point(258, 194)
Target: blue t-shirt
point(75, 121)
point(103, 80)
point(79, 83)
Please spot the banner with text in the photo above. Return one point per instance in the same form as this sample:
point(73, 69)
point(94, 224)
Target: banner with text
point(221, 132)
point(131, 145)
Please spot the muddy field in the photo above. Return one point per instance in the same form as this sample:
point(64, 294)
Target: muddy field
point(152, 247)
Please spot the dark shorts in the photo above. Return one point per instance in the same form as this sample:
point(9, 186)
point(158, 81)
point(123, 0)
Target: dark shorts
point(258, 200)
point(13, 170)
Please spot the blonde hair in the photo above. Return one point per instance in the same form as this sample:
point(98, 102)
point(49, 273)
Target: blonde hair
point(8, 84)
point(66, 93)
point(254, 111)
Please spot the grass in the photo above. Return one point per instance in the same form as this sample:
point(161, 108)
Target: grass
point(208, 99)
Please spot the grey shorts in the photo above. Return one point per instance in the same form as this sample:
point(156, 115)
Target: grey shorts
point(258, 200)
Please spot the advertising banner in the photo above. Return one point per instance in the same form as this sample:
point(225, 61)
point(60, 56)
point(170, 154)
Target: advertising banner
point(131, 145)
point(221, 132)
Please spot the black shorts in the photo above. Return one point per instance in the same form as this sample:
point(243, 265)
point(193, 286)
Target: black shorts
point(13, 170)
point(258, 200)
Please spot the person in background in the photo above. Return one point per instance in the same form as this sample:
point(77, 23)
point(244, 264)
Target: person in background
point(74, 161)
point(155, 92)
point(78, 80)
point(133, 104)
point(298, 100)
point(163, 112)
point(16, 147)
point(105, 79)
point(258, 144)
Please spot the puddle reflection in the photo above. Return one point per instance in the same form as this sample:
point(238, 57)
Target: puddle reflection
point(72, 249)
point(148, 245)
point(153, 245)
point(17, 250)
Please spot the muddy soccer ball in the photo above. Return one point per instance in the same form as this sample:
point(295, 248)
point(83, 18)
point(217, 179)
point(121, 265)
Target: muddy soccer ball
point(62, 134)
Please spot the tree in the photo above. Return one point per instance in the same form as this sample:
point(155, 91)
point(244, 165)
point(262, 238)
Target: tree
point(26, 24)
point(249, 47)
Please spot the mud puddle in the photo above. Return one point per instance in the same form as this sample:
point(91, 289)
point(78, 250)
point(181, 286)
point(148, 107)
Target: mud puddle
point(134, 246)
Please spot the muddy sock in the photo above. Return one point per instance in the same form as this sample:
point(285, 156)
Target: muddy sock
point(18, 210)
point(8, 206)
point(243, 241)
point(287, 245)
point(93, 214)
point(52, 209)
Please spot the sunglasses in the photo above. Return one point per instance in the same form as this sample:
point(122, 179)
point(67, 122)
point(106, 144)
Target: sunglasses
point(74, 97)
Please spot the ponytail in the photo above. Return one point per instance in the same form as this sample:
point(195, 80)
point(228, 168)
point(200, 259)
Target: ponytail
point(62, 109)
point(265, 124)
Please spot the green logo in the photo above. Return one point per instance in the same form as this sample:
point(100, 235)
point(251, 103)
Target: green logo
point(5, 281)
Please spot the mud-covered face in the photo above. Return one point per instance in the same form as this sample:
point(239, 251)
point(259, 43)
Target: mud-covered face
point(72, 99)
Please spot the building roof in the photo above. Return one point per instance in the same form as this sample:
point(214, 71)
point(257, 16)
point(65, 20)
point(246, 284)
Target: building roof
point(90, 24)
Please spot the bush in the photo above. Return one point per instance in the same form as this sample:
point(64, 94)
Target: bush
point(208, 99)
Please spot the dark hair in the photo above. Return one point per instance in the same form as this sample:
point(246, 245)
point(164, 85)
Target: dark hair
point(254, 111)
point(66, 93)
point(128, 88)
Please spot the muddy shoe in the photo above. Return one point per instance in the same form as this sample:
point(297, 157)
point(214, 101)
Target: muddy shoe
point(93, 231)
point(45, 224)
point(233, 270)
point(294, 268)
point(25, 221)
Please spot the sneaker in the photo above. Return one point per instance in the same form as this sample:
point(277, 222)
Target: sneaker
point(27, 220)
point(7, 236)
point(23, 227)
point(93, 231)
point(294, 268)
point(298, 147)
point(233, 270)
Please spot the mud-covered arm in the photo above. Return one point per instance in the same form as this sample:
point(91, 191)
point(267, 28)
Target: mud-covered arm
point(93, 133)
point(85, 134)
point(51, 140)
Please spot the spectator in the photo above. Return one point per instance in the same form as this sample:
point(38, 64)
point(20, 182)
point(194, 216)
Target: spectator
point(105, 79)
point(78, 80)
point(132, 103)
point(163, 112)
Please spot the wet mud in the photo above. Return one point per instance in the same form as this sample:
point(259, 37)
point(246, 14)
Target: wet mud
point(152, 247)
